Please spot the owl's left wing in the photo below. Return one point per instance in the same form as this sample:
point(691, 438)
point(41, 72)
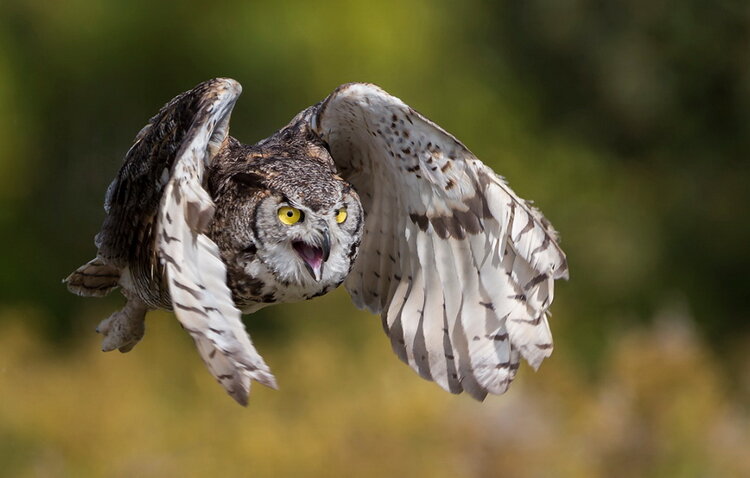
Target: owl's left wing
point(459, 267)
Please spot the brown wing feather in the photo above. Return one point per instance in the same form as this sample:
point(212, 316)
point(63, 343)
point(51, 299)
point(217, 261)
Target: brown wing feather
point(132, 199)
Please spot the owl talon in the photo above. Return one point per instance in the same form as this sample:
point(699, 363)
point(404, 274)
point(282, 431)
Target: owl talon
point(123, 329)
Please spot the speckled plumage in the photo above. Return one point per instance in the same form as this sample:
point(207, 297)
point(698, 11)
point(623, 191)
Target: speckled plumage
point(460, 269)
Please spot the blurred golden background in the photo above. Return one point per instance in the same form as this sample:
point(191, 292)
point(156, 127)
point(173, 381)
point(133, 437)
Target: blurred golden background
point(628, 123)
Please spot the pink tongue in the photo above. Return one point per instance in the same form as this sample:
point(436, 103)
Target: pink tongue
point(310, 254)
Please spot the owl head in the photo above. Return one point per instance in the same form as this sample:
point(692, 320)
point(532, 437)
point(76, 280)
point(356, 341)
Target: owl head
point(290, 222)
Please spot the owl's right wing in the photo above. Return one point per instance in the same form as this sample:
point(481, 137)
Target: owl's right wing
point(166, 166)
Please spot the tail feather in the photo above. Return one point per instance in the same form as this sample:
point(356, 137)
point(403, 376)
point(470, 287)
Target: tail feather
point(93, 279)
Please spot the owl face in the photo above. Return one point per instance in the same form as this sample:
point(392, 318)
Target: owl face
point(290, 231)
point(312, 247)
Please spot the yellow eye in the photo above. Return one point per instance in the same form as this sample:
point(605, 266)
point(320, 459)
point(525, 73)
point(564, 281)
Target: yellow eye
point(289, 215)
point(341, 215)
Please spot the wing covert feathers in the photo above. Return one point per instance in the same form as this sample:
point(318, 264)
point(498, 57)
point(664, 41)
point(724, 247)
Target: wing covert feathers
point(460, 268)
point(195, 274)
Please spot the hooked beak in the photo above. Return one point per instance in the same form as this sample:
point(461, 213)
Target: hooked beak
point(314, 256)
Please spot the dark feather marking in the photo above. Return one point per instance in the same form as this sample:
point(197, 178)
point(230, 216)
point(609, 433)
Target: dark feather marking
point(168, 238)
point(529, 321)
point(454, 227)
point(420, 220)
point(543, 346)
point(454, 385)
point(171, 260)
point(479, 207)
point(176, 194)
point(438, 223)
point(488, 305)
point(544, 245)
point(469, 221)
point(536, 280)
point(254, 224)
point(247, 366)
point(529, 226)
point(195, 293)
point(190, 309)
point(511, 213)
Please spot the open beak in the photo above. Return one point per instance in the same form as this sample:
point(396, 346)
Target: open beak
point(314, 256)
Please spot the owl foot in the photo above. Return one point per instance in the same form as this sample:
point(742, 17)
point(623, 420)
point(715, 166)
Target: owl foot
point(125, 328)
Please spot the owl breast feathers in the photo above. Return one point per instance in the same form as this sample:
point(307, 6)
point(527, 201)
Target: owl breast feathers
point(359, 189)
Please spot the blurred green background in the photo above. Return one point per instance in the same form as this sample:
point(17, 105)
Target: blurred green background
point(628, 123)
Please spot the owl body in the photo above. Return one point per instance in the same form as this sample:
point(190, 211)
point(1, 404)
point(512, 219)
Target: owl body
point(358, 189)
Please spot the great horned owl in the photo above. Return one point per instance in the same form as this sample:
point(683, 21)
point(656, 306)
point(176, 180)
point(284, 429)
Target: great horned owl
point(358, 189)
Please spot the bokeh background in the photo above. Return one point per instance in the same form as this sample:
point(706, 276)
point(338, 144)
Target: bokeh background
point(628, 123)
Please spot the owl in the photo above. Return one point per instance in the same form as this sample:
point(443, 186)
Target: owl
point(359, 190)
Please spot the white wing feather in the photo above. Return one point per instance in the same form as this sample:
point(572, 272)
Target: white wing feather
point(461, 269)
point(195, 274)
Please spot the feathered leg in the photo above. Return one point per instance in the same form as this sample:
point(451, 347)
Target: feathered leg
point(125, 328)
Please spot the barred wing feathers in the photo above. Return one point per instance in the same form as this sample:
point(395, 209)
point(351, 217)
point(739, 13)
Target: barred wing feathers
point(459, 267)
point(196, 276)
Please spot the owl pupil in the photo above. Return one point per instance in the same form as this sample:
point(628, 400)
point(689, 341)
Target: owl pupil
point(289, 214)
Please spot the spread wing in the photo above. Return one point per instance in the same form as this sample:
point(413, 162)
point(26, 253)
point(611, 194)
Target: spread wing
point(459, 267)
point(161, 187)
